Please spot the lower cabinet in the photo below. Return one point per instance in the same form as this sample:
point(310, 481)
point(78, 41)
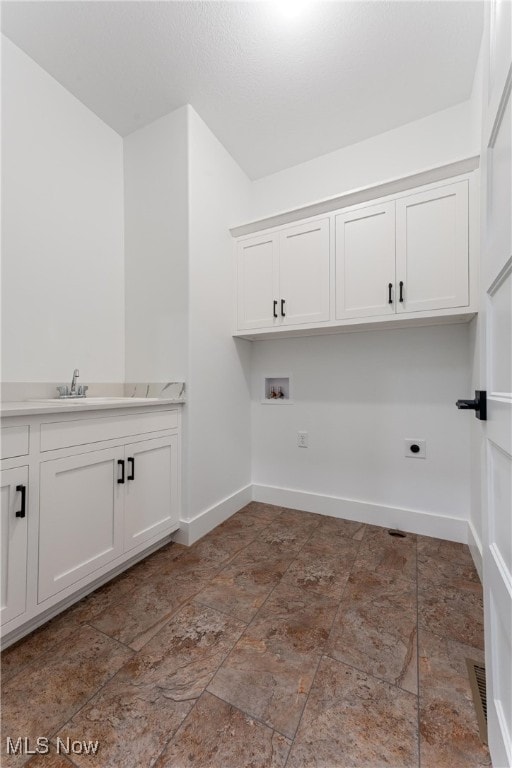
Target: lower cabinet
point(14, 489)
point(80, 518)
point(104, 490)
point(98, 505)
point(151, 496)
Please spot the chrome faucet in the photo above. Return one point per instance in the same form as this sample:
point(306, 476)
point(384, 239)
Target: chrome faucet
point(73, 391)
point(76, 374)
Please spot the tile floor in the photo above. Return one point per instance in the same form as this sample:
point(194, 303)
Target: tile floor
point(282, 638)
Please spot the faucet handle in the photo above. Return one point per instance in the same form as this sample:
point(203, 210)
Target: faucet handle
point(63, 390)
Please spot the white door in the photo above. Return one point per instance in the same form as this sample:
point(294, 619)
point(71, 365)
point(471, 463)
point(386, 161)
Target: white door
point(304, 273)
point(365, 262)
point(81, 517)
point(13, 509)
point(257, 282)
point(432, 253)
point(151, 500)
point(496, 349)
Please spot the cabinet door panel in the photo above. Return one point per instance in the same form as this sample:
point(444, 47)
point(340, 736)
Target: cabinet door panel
point(13, 545)
point(304, 273)
point(432, 248)
point(365, 261)
point(257, 282)
point(81, 518)
point(151, 502)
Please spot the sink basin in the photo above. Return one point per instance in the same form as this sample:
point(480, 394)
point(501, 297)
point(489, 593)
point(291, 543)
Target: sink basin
point(93, 400)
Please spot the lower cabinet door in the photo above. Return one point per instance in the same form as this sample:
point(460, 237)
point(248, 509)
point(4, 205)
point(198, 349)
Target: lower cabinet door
point(81, 517)
point(14, 500)
point(151, 501)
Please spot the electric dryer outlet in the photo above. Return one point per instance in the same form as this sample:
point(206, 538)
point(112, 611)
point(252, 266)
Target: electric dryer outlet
point(415, 449)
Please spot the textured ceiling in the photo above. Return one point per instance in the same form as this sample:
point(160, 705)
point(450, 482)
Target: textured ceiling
point(275, 91)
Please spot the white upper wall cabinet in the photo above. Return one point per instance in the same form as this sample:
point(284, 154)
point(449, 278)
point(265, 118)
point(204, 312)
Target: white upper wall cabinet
point(304, 273)
point(404, 259)
point(257, 282)
point(432, 249)
point(283, 278)
point(365, 261)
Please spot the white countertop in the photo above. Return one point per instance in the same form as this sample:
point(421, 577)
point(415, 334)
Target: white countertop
point(38, 407)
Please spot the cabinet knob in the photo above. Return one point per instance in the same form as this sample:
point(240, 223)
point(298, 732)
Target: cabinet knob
point(401, 291)
point(282, 308)
point(131, 463)
point(390, 288)
point(120, 463)
point(275, 308)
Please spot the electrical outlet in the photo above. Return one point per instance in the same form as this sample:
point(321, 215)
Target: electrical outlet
point(416, 449)
point(302, 439)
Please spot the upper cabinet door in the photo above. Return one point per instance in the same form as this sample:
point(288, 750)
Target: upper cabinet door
point(257, 288)
point(304, 273)
point(365, 262)
point(432, 249)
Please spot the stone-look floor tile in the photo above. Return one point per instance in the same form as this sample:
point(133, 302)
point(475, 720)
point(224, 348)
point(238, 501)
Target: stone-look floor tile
point(269, 672)
point(242, 587)
point(333, 527)
point(387, 554)
point(453, 613)
point(284, 537)
point(444, 550)
point(224, 542)
point(135, 714)
point(375, 629)
point(140, 613)
point(448, 727)
point(323, 565)
point(445, 562)
point(216, 735)
point(40, 699)
point(37, 643)
point(51, 760)
point(257, 513)
point(301, 519)
point(352, 719)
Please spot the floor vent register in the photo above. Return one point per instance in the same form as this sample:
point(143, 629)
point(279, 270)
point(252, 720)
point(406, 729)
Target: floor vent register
point(476, 671)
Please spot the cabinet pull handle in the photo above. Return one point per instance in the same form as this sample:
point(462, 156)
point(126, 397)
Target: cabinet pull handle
point(23, 490)
point(120, 463)
point(275, 307)
point(131, 461)
point(282, 308)
point(401, 291)
point(390, 286)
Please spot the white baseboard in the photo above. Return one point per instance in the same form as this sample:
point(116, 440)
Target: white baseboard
point(410, 520)
point(475, 547)
point(192, 530)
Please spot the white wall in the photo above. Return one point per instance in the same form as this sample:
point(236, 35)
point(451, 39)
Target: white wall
point(62, 232)
point(218, 410)
point(359, 396)
point(156, 250)
point(435, 140)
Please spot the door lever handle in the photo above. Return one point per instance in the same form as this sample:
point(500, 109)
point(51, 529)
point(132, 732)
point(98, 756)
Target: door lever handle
point(479, 404)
